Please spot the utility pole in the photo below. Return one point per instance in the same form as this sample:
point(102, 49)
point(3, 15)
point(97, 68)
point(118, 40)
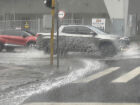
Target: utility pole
point(51, 4)
point(52, 32)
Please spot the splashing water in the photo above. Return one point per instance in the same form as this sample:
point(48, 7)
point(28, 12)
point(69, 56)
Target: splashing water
point(33, 53)
point(27, 57)
point(132, 50)
point(20, 95)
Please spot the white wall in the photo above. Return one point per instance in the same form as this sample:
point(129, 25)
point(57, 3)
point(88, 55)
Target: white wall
point(115, 8)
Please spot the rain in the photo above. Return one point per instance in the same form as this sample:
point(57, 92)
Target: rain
point(49, 45)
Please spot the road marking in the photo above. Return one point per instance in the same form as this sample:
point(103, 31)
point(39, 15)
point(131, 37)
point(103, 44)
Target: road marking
point(98, 75)
point(127, 77)
point(83, 104)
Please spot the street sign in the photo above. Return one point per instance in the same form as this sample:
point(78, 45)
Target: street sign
point(99, 23)
point(61, 14)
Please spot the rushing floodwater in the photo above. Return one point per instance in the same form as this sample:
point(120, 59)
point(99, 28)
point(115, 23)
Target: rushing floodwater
point(18, 96)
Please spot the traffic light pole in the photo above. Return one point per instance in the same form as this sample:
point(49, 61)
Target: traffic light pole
point(52, 33)
point(51, 4)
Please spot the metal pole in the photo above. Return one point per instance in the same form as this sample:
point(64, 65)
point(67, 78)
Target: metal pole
point(57, 34)
point(126, 7)
point(52, 33)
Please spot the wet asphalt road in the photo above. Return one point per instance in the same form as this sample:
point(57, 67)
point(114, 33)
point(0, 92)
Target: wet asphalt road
point(24, 73)
point(102, 89)
point(121, 85)
point(25, 76)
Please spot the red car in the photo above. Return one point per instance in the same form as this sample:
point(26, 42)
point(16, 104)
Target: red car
point(11, 39)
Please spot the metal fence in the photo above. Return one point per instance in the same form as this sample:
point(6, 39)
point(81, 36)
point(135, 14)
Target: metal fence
point(33, 25)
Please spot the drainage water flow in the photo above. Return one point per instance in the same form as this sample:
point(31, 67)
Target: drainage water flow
point(18, 96)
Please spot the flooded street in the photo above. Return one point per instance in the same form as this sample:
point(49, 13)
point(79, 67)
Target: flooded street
point(27, 73)
point(69, 52)
point(24, 74)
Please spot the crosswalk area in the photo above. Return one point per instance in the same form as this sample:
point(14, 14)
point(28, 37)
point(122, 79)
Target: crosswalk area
point(123, 78)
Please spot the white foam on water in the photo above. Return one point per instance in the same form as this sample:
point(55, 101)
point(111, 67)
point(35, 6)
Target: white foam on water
point(27, 57)
point(20, 95)
point(132, 50)
point(33, 53)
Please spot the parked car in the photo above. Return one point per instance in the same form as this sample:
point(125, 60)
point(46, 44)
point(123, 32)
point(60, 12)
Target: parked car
point(84, 38)
point(11, 39)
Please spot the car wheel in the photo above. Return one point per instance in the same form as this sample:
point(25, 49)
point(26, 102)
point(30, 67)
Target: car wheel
point(10, 49)
point(1, 47)
point(107, 50)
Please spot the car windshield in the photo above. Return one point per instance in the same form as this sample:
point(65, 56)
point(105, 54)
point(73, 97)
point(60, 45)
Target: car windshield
point(97, 30)
point(30, 33)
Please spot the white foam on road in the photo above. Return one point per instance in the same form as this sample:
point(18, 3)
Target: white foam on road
point(33, 53)
point(18, 96)
point(26, 54)
point(127, 77)
point(28, 57)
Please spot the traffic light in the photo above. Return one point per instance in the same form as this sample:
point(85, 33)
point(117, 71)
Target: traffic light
point(48, 3)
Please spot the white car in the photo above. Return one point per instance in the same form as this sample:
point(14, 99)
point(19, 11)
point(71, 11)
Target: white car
point(84, 38)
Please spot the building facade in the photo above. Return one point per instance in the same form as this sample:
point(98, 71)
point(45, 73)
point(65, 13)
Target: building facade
point(117, 13)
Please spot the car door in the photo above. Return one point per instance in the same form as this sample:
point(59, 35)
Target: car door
point(7, 36)
point(84, 38)
point(14, 37)
point(67, 38)
point(77, 38)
